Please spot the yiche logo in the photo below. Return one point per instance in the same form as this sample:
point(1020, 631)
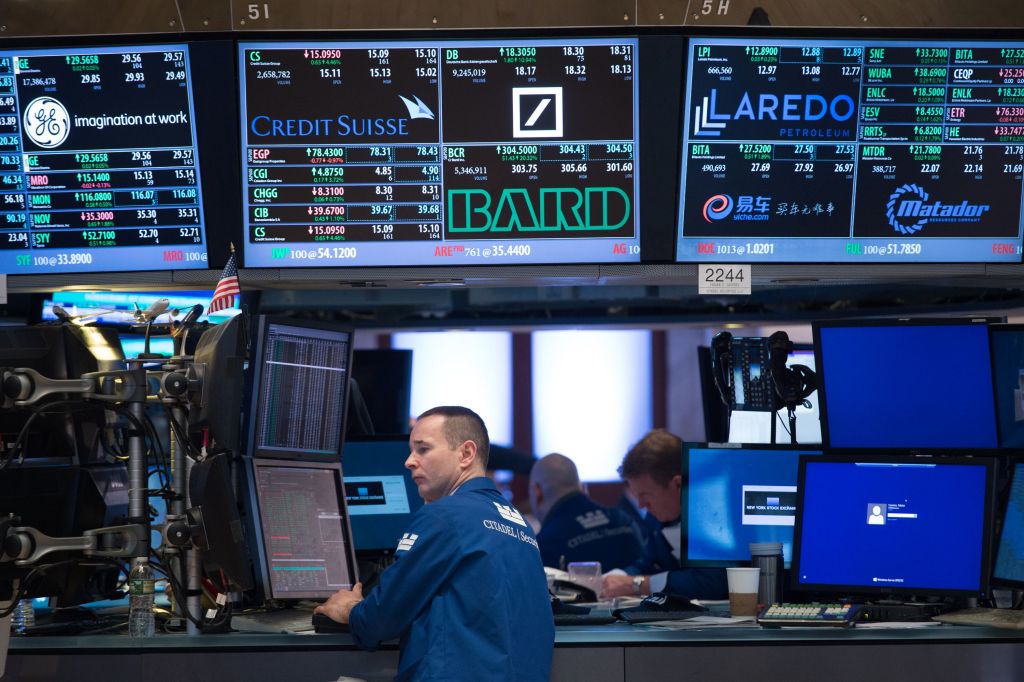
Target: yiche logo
point(709, 122)
point(717, 207)
point(592, 519)
point(510, 514)
point(47, 122)
point(909, 210)
point(407, 541)
point(536, 112)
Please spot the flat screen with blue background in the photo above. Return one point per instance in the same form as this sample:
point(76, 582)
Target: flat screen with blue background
point(894, 526)
point(1010, 557)
point(906, 385)
point(380, 493)
point(1008, 375)
point(733, 496)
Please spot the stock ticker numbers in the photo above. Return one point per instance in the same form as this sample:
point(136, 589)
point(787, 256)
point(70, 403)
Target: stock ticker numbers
point(98, 161)
point(852, 151)
point(440, 152)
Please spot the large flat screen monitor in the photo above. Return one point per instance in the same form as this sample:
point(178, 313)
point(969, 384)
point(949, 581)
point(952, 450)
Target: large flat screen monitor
point(855, 151)
point(1009, 566)
point(1008, 377)
point(890, 524)
point(303, 540)
point(734, 495)
point(380, 493)
point(440, 152)
point(300, 379)
point(905, 384)
point(99, 163)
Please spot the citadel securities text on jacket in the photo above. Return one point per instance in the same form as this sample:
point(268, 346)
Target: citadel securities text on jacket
point(467, 594)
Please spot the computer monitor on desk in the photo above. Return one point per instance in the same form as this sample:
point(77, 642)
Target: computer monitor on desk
point(303, 539)
point(1009, 567)
point(380, 493)
point(734, 495)
point(878, 525)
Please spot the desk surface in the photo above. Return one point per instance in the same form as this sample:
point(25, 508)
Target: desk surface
point(616, 635)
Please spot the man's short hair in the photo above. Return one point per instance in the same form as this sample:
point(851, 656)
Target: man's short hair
point(659, 454)
point(462, 424)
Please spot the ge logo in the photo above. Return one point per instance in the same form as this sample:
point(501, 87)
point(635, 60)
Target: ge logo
point(46, 122)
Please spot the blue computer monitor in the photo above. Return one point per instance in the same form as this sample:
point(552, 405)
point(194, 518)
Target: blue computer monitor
point(894, 525)
point(1008, 377)
point(900, 384)
point(380, 493)
point(734, 495)
point(1009, 567)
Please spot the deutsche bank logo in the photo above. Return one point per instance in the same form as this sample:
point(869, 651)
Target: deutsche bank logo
point(536, 112)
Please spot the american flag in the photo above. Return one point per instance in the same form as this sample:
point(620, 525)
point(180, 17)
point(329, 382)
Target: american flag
point(227, 287)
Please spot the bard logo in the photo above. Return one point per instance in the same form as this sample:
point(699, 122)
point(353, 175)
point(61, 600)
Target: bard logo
point(718, 207)
point(909, 209)
point(407, 541)
point(47, 122)
point(510, 514)
point(592, 519)
point(709, 121)
point(591, 209)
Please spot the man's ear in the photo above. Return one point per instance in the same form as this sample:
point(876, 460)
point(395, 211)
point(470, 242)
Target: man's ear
point(467, 454)
point(677, 482)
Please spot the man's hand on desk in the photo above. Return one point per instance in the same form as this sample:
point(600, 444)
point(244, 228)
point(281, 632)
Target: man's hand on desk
point(341, 603)
point(621, 585)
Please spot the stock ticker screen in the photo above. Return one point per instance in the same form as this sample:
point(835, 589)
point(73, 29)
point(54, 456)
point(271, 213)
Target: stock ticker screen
point(98, 162)
point(852, 151)
point(440, 153)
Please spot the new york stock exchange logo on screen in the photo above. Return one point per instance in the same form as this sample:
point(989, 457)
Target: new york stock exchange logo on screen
point(47, 122)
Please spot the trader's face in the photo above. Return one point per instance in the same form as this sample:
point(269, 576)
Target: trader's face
point(434, 466)
point(660, 500)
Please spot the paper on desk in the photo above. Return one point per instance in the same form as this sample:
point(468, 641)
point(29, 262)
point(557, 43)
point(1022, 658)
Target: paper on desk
point(702, 622)
point(899, 625)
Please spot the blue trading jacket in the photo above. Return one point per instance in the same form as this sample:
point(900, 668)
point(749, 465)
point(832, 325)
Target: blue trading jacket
point(467, 594)
point(700, 583)
point(578, 529)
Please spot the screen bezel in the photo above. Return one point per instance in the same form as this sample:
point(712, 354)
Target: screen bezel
point(261, 327)
point(798, 33)
point(262, 561)
point(684, 500)
point(985, 560)
point(993, 330)
point(821, 369)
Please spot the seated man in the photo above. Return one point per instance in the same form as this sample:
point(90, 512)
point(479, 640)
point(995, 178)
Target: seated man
point(467, 593)
point(653, 469)
point(574, 527)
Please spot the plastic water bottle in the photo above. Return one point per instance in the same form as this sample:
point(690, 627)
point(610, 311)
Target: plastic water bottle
point(141, 586)
point(23, 617)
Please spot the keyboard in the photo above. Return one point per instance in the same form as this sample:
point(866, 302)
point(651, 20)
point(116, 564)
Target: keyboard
point(809, 615)
point(591, 617)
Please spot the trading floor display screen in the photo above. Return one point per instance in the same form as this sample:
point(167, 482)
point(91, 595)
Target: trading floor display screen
point(440, 153)
point(98, 163)
point(852, 151)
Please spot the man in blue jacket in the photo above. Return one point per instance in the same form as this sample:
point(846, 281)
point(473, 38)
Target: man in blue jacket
point(653, 469)
point(574, 527)
point(467, 594)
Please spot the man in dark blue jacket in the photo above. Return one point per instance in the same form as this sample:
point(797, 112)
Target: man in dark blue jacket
point(653, 469)
point(574, 527)
point(467, 593)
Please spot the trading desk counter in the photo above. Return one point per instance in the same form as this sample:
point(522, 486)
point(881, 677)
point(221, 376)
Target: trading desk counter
point(599, 654)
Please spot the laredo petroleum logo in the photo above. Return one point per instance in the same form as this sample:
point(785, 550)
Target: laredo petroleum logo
point(909, 209)
point(717, 207)
point(47, 122)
